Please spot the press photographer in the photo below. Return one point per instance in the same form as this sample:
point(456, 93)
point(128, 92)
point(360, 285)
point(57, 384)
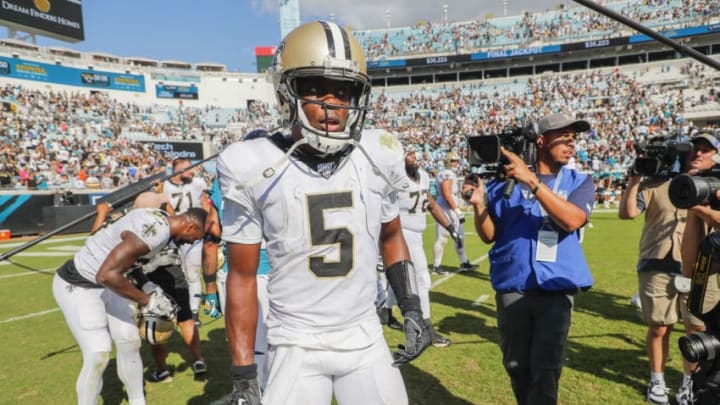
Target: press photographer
point(659, 251)
point(537, 265)
point(695, 190)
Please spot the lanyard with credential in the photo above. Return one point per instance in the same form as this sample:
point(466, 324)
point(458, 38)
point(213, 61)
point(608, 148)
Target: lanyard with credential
point(547, 237)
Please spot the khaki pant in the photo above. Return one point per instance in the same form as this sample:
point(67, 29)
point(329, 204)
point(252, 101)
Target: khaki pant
point(662, 304)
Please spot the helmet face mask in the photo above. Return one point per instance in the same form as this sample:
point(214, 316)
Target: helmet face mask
point(323, 54)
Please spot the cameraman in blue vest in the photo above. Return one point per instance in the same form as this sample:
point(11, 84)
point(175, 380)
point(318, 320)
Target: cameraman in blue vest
point(537, 265)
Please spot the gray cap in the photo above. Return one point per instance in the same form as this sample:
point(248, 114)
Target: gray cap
point(562, 120)
point(709, 138)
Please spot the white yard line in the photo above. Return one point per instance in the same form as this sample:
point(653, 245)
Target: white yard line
point(451, 275)
point(28, 273)
point(18, 318)
point(482, 298)
point(45, 242)
point(442, 280)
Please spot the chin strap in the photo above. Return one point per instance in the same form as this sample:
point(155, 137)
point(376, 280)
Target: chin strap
point(376, 169)
point(270, 171)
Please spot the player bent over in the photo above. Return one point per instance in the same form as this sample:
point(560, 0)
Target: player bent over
point(98, 301)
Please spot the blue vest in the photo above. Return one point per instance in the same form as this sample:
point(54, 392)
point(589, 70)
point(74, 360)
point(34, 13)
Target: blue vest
point(517, 221)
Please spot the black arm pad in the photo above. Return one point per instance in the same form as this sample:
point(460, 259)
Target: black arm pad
point(401, 276)
point(137, 277)
point(212, 238)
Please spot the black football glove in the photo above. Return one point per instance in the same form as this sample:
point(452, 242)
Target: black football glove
point(246, 391)
point(417, 338)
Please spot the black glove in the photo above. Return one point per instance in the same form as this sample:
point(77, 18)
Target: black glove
point(417, 338)
point(455, 236)
point(246, 390)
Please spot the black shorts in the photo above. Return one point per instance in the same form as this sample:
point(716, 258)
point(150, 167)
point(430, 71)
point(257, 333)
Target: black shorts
point(172, 280)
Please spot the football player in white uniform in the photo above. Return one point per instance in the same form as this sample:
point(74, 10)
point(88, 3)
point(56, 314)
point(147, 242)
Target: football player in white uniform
point(97, 299)
point(186, 191)
point(414, 204)
point(324, 197)
point(165, 270)
point(447, 186)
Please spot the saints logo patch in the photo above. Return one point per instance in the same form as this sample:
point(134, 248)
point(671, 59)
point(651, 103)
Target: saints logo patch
point(149, 230)
point(388, 141)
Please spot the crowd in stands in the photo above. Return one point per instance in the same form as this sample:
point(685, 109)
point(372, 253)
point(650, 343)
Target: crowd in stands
point(66, 140)
point(533, 29)
point(76, 141)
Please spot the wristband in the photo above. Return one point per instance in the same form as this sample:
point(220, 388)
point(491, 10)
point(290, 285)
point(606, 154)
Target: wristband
point(247, 372)
point(536, 188)
point(212, 238)
point(209, 278)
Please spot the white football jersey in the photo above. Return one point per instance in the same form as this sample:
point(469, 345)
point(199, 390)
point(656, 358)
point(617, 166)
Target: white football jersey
point(414, 202)
point(322, 233)
point(184, 196)
point(446, 174)
point(150, 225)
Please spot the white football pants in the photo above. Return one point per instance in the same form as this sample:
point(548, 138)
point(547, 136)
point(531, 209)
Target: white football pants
point(300, 376)
point(97, 317)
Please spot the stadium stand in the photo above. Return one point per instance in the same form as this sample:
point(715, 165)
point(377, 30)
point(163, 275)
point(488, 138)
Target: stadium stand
point(67, 135)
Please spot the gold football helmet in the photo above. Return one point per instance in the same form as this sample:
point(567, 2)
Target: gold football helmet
point(452, 156)
point(321, 50)
point(156, 330)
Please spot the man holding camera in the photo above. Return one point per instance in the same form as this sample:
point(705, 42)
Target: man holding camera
point(660, 257)
point(537, 265)
point(701, 220)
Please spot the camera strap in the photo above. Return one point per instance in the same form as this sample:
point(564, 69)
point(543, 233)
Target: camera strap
point(701, 273)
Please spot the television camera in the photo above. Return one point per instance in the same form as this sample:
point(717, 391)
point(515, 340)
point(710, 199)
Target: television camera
point(484, 151)
point(661, 156)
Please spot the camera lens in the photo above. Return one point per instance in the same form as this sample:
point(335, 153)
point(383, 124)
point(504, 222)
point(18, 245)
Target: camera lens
point(699, 347)
point(686, 191)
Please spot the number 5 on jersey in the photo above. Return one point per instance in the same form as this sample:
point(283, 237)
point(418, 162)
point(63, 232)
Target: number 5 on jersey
point(321, 235)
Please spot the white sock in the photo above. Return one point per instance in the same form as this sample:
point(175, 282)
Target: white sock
point(658, 377)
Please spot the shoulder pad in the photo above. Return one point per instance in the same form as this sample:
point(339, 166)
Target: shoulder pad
point(381, 144)
point(243, 161)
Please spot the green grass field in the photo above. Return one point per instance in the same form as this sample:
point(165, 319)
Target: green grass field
point(605, 360)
